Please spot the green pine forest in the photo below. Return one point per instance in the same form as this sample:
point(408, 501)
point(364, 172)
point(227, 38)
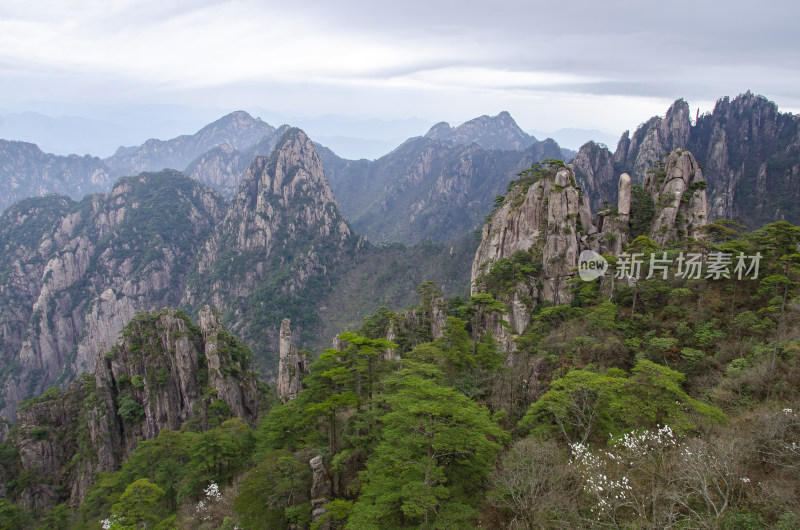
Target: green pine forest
point(669, 403)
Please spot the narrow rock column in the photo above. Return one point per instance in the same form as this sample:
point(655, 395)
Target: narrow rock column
point(321, 490)
point(291, 365)
point(624, 198)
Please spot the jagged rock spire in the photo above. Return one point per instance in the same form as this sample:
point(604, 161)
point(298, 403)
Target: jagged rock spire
point(291, 365)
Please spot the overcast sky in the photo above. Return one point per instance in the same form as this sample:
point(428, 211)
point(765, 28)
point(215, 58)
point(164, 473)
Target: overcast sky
point(605, 65)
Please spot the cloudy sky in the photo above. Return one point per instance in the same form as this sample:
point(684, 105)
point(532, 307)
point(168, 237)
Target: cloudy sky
point(605, 65)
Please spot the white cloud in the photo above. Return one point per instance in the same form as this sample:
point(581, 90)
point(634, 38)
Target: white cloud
point(606, 65)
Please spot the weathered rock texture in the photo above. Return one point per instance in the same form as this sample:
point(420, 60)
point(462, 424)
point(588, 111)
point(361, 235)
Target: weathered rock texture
point(78, 271)
point(223, 167)
point(321, 490)
point(656, 137)
point(436, 187)
point(678, 193)
point(543, 216)
point(595, 173)
point(530, 247)
point(26, 171)
point(749, 151)
point(291, 365)
point(164, 372)
point(280, 237)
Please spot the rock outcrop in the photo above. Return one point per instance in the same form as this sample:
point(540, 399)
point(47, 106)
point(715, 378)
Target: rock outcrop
point(165, 372)
point(653, 139)
point(281, 235)
point(291, 365)
point(678, 193)
point(530, 247)
point(81, 270)
point(541, 214)
point(321, 491)
point(750, 153)
point(595, 173)
point(748, 150)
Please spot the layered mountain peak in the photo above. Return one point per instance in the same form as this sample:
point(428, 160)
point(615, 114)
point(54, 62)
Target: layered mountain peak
point(238, 129)
point(283, 218)
point(491, 132)
point(293, 181)
point(652, 139)
point(295, 163)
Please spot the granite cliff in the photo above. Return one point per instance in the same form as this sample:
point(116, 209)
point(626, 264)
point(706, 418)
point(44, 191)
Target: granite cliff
point(165, 373)
point(280, 237)
point(76, 272)
point(747, 148)
point(530, 245)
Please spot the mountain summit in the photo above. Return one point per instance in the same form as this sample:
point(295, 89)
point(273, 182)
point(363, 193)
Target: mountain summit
point(490, 132)
point(281, 235)
point(238, 129)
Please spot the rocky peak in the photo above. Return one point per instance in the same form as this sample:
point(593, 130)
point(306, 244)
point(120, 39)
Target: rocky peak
point(594, 171)
point(529, 248)
point(440, 131)
point(237, 129)
point(750, 152)
point(282, 230)
point(677, 188)
point(540, 215)
point(652, 139)
point(491, 132)
point(165, 373)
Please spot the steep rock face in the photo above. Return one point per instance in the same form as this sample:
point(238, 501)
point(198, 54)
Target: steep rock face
point(751, 157)
point(29, 231)
point(26, 171)
point(749, 152)
point(238, 129)
point(280, 236)
point(595, 173)
point(223, 167)
point(499, 132)
point(427, 189)
point(678, 193)
point(530, 247)
point(543, 217)
point(653, 139)
point(165, 372)
point(104, 259)
point(291, 365)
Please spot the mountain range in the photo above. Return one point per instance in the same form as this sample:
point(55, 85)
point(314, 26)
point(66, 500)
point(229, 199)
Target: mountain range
point(749, 149)
point(283, 233)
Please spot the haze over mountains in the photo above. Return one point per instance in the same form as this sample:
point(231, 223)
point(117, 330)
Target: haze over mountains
point(270, 223)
